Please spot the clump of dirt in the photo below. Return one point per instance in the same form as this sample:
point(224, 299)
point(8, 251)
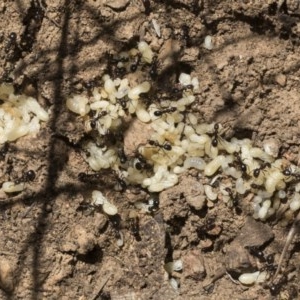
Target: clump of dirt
point(56, 245)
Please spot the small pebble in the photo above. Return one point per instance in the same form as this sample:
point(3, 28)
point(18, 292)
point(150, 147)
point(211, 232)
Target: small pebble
point(6, 275)
point(194, 265)
point(281, 79)
point(117, 4)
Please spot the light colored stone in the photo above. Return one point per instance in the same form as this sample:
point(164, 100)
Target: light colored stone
point(281, 79)
point(193, 265)
point(6, 275)
point(117, 4)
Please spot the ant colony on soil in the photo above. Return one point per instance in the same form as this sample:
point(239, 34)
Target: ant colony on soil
point(174, 143)
point(19, 115)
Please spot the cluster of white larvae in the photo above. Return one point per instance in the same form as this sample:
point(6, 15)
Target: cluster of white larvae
point(20, 115)
point(178, 142)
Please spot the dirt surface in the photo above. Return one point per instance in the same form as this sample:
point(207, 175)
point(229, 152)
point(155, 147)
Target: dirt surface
point(56, 246)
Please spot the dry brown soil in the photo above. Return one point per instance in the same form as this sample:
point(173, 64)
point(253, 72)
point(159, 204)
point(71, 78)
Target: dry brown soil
point(53, 245)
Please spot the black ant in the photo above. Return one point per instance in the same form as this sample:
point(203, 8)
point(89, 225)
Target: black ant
point(153, 203)
point(181, 88)
point(134, 225)
point(136, 63)
point(122, 183)
point(89, 85)
point(289, 172)
point(268, 260)
point(12, 48)
point(153, 69)
point(122, 156)
point(26, 177)
point(89, 178)
point(29, 176)
point(9, 166)
point(185, 35)
point(269, 268)
point(209, 224)
point(113, 60)
point(93, 122)
point(26, 42)
point(12, 41)
point(234, 199)
point(165, 146)
point(168, 110)
point(4, 150)
point(123, 103)
point(104, 178)
point(5, 77)
point(276, 287)
point(195, 7)
point(35, 12)
point(256, 171)
point(115, 222)
point(112, 68)
point(256, 252)
point(215, 139)
point(113, 137)
point(242, 165)
point(32, 21)
point(120, 72)
point(255, 186)
point(141, 163)
point(147, 6)
point(84, 206)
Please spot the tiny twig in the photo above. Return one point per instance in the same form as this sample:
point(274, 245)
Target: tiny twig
point(46, 13)
point(233, 280)
point(293, 231)
point(101, 285)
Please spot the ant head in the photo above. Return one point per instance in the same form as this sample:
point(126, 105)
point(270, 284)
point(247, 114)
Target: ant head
point(256, 172)
point(30, 175)
point(12, 36)
point(287, 172)
point(89, 85)
point(167, 146)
